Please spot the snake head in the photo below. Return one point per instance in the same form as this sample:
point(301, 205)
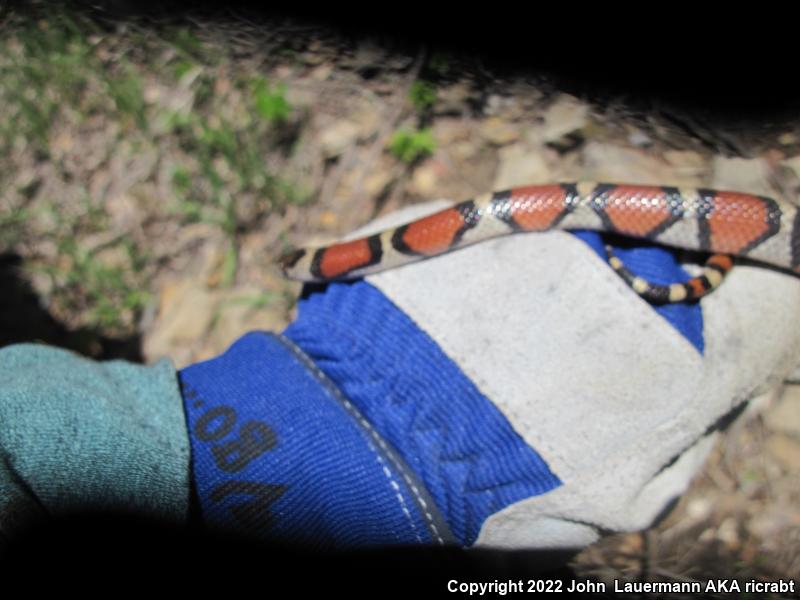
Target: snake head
point(290, 259)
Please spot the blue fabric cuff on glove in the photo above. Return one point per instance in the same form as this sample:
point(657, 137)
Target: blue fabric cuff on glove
point(279, 452)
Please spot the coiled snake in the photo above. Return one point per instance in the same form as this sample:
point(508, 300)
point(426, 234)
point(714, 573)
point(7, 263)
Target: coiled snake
point(722, 223)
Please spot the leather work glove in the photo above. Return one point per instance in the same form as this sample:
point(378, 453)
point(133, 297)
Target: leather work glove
point(514, 394)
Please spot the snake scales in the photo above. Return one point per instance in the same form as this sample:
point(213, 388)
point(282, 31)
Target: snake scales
point(722, 223)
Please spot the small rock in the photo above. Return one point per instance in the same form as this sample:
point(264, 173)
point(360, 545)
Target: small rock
point(759, 404)
point(771, 522)
point(447, 131)
point(463, 150)
point(424, 181)
point(321, 72)
point(315, 52)
point(151, 94)
point(384, 87)
point(313, 59)
point(568, 143)
point(185, 313)
point(687, 161)
point(499, 132)
point(222, 85)
point(784, 417)
point(335, 139)
point(369, 121)
point(639, 138)
point(494, 104)
point(113, 257)
point(123, 211)
point(301, 96)
point(375, 183)
point(62, 143)
point(699, 509)
point(328, 220)
point(426, 177)
point(241, 311)
point(786, 450)
point(213, 265)
point(706, 536)
point(774, 158)
point(453, 99)
point(728, 532)
point(749, 175)
point(505, 106)
point(631, 544)
point(566, 115)
point(612, 163)
point(369, 57)
point(520, 166)
point(26, 178)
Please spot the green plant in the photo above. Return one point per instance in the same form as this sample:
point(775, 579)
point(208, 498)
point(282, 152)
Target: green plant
point(228, 170)
point(188, 46)
point(125, 89)
point(109, 295)
point(270, 102)
point(43, 67)
point(181, 68)
point(411, 146)
point(422, 95)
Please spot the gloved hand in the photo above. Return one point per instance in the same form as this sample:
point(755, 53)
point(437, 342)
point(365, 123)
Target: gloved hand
point(515, 394)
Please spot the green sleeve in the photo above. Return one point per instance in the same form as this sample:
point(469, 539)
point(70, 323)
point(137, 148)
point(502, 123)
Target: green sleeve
point(82, 435)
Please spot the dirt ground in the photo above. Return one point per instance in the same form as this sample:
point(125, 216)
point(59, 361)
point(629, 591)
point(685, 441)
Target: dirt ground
point(152, 171)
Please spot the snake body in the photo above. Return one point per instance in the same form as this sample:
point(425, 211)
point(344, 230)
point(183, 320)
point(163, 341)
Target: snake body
point(721, 223)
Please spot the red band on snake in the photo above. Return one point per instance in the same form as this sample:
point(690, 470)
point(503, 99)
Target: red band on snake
point(719, 222)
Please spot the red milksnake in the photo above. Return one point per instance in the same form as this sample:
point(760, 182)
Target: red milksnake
point(719, 222)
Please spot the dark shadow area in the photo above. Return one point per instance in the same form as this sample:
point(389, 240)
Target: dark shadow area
point(23, 319)
point(732, 76)
point(94, 550)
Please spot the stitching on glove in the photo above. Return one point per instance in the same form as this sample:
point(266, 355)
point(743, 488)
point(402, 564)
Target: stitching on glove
point(398, 465)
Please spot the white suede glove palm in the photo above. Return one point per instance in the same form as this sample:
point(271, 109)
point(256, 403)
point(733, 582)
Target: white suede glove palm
point(620, 403)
